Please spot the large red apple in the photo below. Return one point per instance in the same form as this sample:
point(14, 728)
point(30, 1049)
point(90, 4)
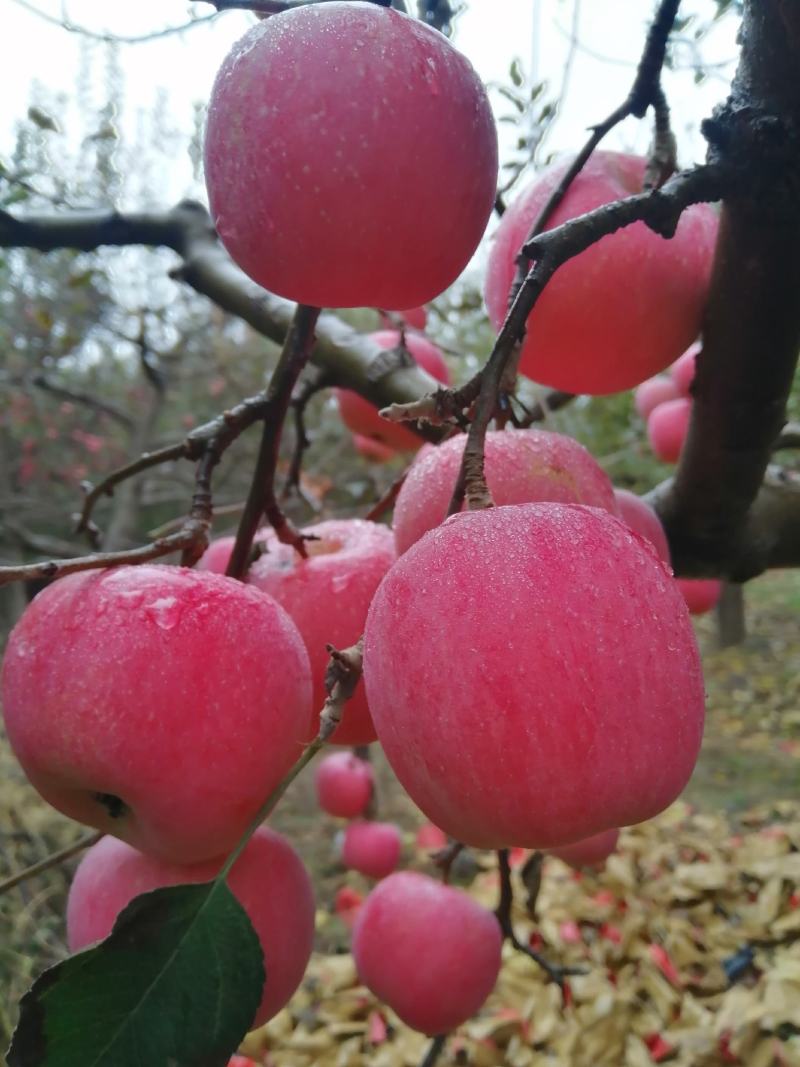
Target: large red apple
point(521, 466)
point(625, 308)
point(641, 518)
point(350, 157)
point(327, 596)
point(590, 852)
point(667, 427)
point(372, 848)
point(344, 784)
point(362, 418)
point(158, 704)
point(427, 950)
point(269, 881)
point(533, 676)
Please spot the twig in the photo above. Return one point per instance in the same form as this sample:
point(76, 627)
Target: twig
point(111, 38)
point(446, 857)
point(531, 877)
point(386, 502)
point(298, 405)
point(53, 860)
point(121, 474)
point(434, 1051)
point(503, 913)
point(261, 499)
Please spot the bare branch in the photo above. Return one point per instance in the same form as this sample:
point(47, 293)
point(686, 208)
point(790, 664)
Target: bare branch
point(111, 38)
point(48, 862)
point(46, 384)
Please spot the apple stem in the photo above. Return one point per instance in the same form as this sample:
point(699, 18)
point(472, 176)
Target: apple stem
point(434, 1051)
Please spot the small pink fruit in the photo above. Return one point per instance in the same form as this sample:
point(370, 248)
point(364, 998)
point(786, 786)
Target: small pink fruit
point(590, 852)
point(269, 881)
point(347, 905)
point(641, 518)
point(667, 427)
point(683, 369)
point(622, 310)
point(372, 848)
point(344, 106)
point(369, 448)
point(700, 594)
point(216, 556)
point(344, 784)
point(653, 392)
point(327, 596)
point(427, 950)
point(362, 417)
point(159, 704)
point(534, 677)
point(522, 466)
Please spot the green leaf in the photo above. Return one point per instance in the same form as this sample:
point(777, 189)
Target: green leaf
point(516, 73)
point(41, 119)
point(176, 984)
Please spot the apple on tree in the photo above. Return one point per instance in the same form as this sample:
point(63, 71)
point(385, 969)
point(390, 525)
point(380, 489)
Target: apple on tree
point(622, 310)
point(159, 704)
point(415, 318)
point(682, 370)
point(427, 950)
point(269, 881)
point(521, 466)
point(590, 852)
point(533, 676)
point(344, 784)
point(653, 392)
point(700, 594)
point(641, 518)
point(362, 417)
point(302, 113)
point(372, 848)
point(667, 426)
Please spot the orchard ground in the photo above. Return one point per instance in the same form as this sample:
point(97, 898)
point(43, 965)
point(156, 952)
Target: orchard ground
point(653, 931)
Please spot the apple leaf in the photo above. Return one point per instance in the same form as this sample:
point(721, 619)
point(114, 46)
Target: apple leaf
point(175, 984)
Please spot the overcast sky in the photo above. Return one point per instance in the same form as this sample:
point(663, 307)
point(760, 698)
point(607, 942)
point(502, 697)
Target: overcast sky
point(491, 32)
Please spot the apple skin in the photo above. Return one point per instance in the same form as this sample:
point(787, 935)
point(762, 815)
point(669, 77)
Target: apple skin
point(622, 310)
point(269, 881)
point(640, 517)
point(667, 427)
point(327, 596)
point(414, 318)
point(427, 950)
point(700, 594)
point(362, 417)
point(521, 466)
point(372, 848)
point(344, 784)
point(590, 852)
point(184, 694)
point(378, 120)
point(534, 677)
point(216, 556)
point(653, 392)
point(682, 370)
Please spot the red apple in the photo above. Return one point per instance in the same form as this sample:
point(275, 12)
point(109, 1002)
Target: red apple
point(521, 466)
point(216, 556)
point(534, 677)
point(362, 418)
point(158, 704)
point(269, 881)
point(590, 852)
point(653, 392)
point(327, 596)
point(344, 784)
point(667, 427)
point(347, 905)
point(377, 122)
point(372, 848)
point(427, 950)
point(700, 594)
point(369, 448)
point(682, 371)
point(415, 318)
point(625, 308)
point(641, 518)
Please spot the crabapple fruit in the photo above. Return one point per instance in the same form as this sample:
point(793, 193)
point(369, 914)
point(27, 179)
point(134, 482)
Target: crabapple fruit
point(622, 310)
point(683, 369)
point(372, 848)
point(327, 596)
point(159, 704)
point(269, 881)
point(321, 122)
point(641, 518)
point(521, 466)
point(533, 676)
point(411, 918)
point(590, 852)
point(362, 417)
point(344, 784)
point(667, 427)
point(700, 594)
point(653, 392)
